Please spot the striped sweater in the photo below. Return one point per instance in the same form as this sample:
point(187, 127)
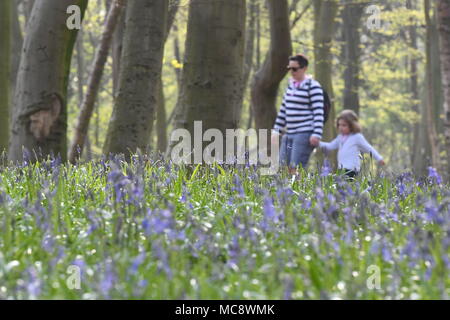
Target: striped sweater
point(302, 109)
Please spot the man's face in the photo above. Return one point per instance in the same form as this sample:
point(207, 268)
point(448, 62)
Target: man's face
point(296, 72)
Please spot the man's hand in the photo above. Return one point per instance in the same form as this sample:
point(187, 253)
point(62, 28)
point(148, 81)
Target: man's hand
point(314, 141)
point(381, 163)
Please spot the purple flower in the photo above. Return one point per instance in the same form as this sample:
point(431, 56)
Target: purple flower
point(432, 214)
point(386, 253)
point(108, 281)
point(143, 283)
point(136, 263)
point(238, 186)
point(163, 259)
point(34, 284)
point(158, 222)
point(326, 168)
point(269, 209)
point(288, 288)
point(433, 175)
point(48, 242)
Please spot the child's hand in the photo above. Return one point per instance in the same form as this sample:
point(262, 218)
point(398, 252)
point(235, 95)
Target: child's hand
point(382, 163)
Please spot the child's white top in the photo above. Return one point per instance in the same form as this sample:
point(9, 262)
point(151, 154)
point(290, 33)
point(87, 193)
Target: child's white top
point(349, 150)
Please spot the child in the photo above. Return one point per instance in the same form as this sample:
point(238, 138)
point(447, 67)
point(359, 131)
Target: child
point(350, 143)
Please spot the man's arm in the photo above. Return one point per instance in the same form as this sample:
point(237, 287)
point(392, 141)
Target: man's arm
point(280, 122)
point(317, 105)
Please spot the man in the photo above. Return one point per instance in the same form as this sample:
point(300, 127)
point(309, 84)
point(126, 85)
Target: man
point(301, 116)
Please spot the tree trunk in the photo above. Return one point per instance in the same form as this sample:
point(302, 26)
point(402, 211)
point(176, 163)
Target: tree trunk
point(249, 53)
point(436, 79)
point(351, 16)
point(141, 63)
point(413, 62)
point(40, 102)
point(177, 54)
point(325, 12)
point(5, 58)
point(444, 35)
point(117, 45)
point(258, 58)
point(213, 64)
point(81, 82)
point(87, 107)
point(266, 80)
point(27, 9)
point(161, 128)
point(161, 116)
point(431, 123)
point(17, 43)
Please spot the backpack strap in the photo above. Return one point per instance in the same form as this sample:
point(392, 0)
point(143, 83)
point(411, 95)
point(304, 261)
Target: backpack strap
point(309, 83)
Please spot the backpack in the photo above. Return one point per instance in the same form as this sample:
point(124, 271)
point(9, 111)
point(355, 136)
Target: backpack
point(326, 103)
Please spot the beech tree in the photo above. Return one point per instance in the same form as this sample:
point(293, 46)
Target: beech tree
point(5, 59)
point(39, 113)
point(213, 65)
point(140, 68)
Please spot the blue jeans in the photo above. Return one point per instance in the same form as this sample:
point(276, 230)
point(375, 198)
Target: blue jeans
point(295, 149)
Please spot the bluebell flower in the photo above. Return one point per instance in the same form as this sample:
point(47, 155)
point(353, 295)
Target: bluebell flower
point(163, 259)
point(108, 280)
point(48, 242)
point(386, 253)
point(432, 214)
point(326, 168)
point(137, 262)
point(434, 176)
point(269, 209)
point(143, 283)
point(33, 285)
point(238, 185)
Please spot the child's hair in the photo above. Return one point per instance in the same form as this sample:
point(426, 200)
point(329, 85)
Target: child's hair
point(351, 118)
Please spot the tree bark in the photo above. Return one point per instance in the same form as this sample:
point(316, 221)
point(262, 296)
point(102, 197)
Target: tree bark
point(117, 45)
point(444, 36)
point(413, 68)
point(17, 43)
point(267, 79)
point(431, 123)
point(87, 107)
point(325, 12)
point(27, 9)
point(5, 58)
point(161, 116)
point(141, 63)
point(249, 53)
point(39, 121)
point(257, 65)
point(81, 82)
point(351, 17)
point(213, 63)
point(161, 128)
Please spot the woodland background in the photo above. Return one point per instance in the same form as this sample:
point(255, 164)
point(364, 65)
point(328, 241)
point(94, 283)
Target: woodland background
point(168, 63)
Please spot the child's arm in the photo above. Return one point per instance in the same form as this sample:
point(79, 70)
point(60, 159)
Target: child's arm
point(366, 147)
point(333, 145)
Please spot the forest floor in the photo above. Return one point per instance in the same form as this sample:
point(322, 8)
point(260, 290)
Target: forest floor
point(153, 230)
